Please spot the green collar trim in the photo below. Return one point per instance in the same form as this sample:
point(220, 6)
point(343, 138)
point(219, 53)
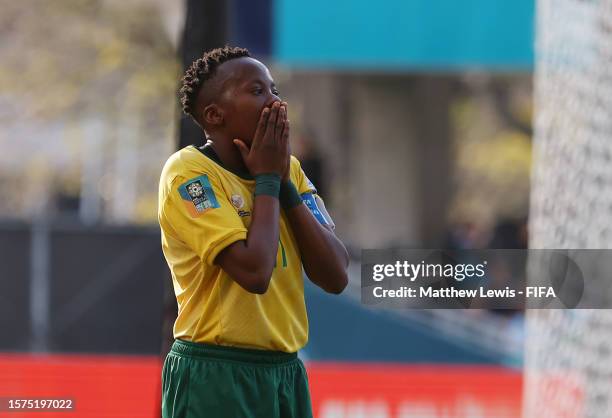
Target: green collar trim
point(209, 152)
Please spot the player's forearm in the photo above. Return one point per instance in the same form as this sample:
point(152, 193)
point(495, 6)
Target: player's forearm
point(250, 262)
point(262, 239)
point(324, 257)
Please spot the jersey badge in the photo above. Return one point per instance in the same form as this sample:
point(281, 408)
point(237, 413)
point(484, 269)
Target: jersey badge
point(198, 196)
point(238, 202)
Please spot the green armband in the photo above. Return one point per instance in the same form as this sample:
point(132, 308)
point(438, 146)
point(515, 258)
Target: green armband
point(289, 196)
point(268, 184)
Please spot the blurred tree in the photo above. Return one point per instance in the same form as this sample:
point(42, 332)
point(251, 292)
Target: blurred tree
point(493, 156)
point(67, 63)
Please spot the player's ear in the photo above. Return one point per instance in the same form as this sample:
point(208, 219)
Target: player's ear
point(212, 115)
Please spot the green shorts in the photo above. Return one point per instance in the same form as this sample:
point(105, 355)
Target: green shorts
point(211, 381)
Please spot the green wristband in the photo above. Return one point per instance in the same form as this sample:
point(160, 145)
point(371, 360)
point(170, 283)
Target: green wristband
point(289, 196)
point(268, 184)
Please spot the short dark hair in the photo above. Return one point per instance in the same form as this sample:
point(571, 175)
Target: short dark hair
point(204, 69)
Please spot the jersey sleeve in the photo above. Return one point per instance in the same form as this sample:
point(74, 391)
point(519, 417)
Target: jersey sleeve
point(302, 183)
point(310, 197)
point(201, 216)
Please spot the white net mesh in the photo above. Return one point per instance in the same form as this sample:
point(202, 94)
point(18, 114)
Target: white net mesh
point(568, 364)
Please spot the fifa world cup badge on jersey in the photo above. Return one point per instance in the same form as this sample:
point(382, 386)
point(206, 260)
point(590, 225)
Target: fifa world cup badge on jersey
point(198, 196)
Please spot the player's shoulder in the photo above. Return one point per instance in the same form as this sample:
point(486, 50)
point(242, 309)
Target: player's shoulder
point(299, 178)
point(186, 163)
point(182, 167)
point(294, 160)
point(296, 166)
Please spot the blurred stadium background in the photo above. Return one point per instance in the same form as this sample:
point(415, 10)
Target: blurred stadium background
point(413, 118)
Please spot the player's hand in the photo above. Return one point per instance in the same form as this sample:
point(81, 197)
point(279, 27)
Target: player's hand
point(287, 175)
point(270, 147)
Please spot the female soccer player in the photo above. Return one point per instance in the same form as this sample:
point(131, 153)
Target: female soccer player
point(239, 220)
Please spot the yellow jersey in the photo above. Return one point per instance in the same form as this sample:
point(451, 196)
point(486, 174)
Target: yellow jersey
point(203, 208)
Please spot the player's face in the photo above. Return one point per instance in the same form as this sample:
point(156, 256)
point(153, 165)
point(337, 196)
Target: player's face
point(248, 89)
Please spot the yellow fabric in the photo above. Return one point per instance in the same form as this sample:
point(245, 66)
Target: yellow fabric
point(212, 308)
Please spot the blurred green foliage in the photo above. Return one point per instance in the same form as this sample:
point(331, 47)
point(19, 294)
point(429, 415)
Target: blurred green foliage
point(493, 153)
point(64, 62)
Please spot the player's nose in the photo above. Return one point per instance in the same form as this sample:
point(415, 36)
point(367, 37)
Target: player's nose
point(271, 99)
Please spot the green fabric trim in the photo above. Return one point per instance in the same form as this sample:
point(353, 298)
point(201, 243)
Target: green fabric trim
point(289, 196)
point(220, 352)
point(283, 253)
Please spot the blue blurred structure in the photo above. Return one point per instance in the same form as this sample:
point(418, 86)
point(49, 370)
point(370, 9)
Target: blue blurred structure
point(399, 34)
point(341, 329)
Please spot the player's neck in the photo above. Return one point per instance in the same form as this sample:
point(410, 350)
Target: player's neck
point(228, 154)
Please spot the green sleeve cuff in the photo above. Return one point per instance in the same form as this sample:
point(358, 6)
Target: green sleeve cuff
point(267, 184)
point(289, 196)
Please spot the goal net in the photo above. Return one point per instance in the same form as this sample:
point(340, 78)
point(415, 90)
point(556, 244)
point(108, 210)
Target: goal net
point(568, 362)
